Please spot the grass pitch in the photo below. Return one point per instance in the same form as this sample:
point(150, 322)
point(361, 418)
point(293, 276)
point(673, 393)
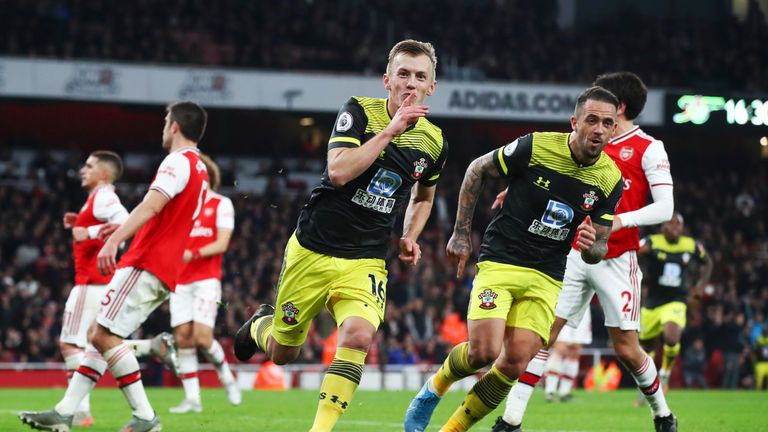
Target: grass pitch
point(383, 411)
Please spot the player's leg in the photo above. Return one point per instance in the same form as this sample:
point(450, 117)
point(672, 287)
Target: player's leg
point(573, 339)
point(356, 301)
point(650, 331)
point(617, 283)
point(136, 294)
point(528, 327)
point(572, 304)
point(301, 294)
point(188, 365)
point(79, 312)
point(207, 299)
point(673, 319)
point(569, 371)
point(553, 370)
point(490, 302)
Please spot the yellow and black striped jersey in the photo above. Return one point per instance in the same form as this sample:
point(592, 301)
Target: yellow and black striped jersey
point(355, 220)
point(668, 266)
point(549, 196)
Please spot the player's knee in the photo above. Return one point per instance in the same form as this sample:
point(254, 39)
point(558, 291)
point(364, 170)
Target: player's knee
point(481, 355)
point(283, 357)
point(511, 368)
point(359, 339)
point(628, 354)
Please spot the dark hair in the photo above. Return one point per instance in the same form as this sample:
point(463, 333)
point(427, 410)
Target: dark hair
point(191, 118)
point(214, 174)
point(112, 159)
point(596, 93)
point(628, 88)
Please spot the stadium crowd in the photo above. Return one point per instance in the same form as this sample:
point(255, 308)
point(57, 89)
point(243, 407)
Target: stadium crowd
point(350, 36)
point(426, 309)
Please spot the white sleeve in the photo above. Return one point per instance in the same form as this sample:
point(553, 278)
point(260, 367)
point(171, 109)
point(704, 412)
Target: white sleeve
point(225, 214)
point(108, 208)
point(172, 175)
point(656, 165)
point(656, 168)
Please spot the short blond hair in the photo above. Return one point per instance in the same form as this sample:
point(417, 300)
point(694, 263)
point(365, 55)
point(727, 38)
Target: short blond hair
point(414, 48)
point(214, 173)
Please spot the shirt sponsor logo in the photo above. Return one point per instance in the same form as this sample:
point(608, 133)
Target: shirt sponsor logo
point(344, 123)
point(374, 202)
point(553, 222)
point(201, 231)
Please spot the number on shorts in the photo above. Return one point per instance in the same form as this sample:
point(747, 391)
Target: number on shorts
point(107, 298)
point(377, 290)
point(628, 295)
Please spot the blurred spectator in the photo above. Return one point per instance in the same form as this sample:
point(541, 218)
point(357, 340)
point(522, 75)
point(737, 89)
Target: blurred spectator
point(695, 359)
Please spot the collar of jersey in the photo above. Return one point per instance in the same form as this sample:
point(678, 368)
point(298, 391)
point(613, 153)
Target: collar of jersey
point(624, 136)
point(187, 148)
point(573, 157)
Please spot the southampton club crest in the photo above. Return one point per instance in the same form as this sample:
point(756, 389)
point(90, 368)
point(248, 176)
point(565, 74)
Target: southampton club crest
point(419, 167)
point(289, 313)
point(487, 299)
point(590, 198)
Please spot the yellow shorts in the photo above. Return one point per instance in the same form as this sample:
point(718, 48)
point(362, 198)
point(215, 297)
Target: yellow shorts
point(652, 320)
point(522, 296)
point(309, 280)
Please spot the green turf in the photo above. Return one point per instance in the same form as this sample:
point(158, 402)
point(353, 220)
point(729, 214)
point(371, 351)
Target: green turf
point(383, 411)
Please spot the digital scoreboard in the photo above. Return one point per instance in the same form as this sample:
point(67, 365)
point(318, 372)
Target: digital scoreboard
point(719, 111)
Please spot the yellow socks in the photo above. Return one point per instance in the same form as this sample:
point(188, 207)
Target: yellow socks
point(260, 331)
point(669, 356)
point(484, 397)
point(339, 385)
point(455, 367)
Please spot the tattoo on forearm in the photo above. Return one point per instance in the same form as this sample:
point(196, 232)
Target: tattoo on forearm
point(599, 248)
point(477, 174)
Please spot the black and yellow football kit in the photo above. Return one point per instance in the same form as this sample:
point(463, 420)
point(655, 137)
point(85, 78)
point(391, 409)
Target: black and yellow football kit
point(666, 275)
point(523, 254)
point(337, 252)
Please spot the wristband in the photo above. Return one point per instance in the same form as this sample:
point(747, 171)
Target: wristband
point(196, 254)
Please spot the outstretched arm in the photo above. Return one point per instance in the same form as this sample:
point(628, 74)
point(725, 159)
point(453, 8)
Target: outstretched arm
point(479, 171)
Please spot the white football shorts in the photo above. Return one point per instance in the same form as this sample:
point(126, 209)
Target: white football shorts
point(196, 302)
point(131, 296)
point(81, 308)
point(616, 281)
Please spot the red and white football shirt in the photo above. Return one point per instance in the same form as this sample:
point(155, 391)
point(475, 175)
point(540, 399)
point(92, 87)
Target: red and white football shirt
point(103, 205)
point(644, 163)
point(159, 245)
point(217, 213)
